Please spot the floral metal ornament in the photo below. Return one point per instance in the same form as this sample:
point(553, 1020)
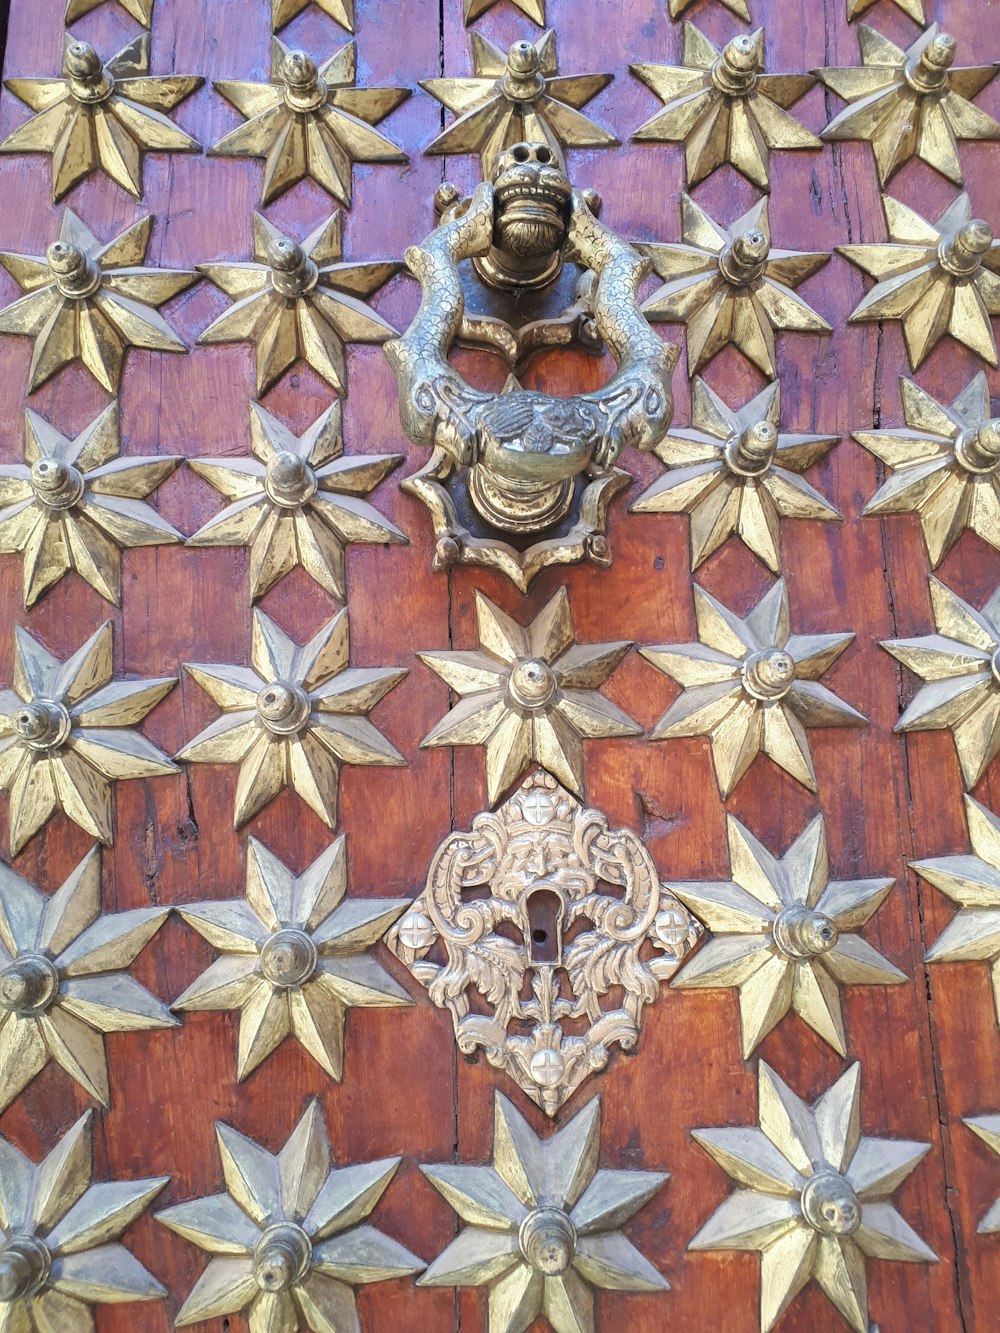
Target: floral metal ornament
point(752, 687)
point(517, 98)
point(935, 278)
point(724, 108)
point(813, 1197)
point(546, 866)
point(960, 667)
point(101, 116)
point(298, 502)
point(987, 1128)
point(89, 302)
point(140, 10)
point(77, 504)
point(293, 718)
point(289, 1238)
point(294, 957)
point(530, 693)
point(59, 1237)
point(784, 934)
point(64, 979)
point(299, 302)
point(910, 103)
point(67, 734)
point(535, 9)
point(728, 285)
point(543, 1224)
point(283, 11)
point(736, 472)
point(310, 121)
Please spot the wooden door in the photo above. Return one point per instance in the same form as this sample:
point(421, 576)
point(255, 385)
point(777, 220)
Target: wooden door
point(928, 1049)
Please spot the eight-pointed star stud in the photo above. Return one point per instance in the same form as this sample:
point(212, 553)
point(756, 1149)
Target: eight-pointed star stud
point(724, 108)
point(960, 668)
point(297, 502)
point(935, 278)
point(283, 11)
point(736, 472)
point(728, 285)
point(535, 9)
point(529, 693)
point(517, 98)
point(544, 1224)
point(293, 718)
point(64, 979)
point(140, 10)
point(987, 1128)
point(784, 934)
point(289, 1238)
point(310, 121)
point(76, 504)
point(60, 1232)
point(101, 116)
point(944, 466)
point(299, 302)
point(752, 687)
point(67, 734)
point(294, 957)
point(813, 1197)
point(910, 103)
point(89, 302)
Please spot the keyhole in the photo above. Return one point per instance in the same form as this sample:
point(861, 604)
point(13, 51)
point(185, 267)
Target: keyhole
point(545, 911)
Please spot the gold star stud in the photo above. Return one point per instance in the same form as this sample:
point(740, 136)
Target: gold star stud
point(535, 9)
point(913, 8)
point(294, 957)
point(736, 472)
point(293, 718)
point(64, 979)
point(296, 502)
point(299, 302)
point(515, 98)
point(530, 693)
point(910, 103)
point(283, 11)
point(936, 278)
point(987, 1128)
point(101, 116)
point(813, 1197)
point(944, 466)
point(784, 934)
point(289, 1238)
point(752, 687)
point(543, 1224)
point(140, 10)
point(728, 285)
point(960, 667)
point(91, 302)
point(66, 735)
point(724, 108)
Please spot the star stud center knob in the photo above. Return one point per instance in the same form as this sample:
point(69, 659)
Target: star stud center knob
point(288, 959)
point(57, 485)
point(88, 77)
point(830, 1205)
point(290, 481)
point(24, 1266)
point(29, 985)
point(523, 79)
point(43, 724)
point(548, 1241)
point(75, 274)
point(304, 89)
point(735, 72)
point(802, 932)
point(962, 253)
point(928, 72)
point(532, 683)
point(283, 707)
point(282, 1257)
point(768, 674)
point(743, 261)
point(751, 453)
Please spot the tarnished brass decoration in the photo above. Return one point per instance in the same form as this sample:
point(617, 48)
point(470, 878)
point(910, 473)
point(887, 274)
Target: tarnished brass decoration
point(289, 1238)
point(784, 934)
point(310, 121)
point(140, 10)
point(960, 665)
point(543, 1224)
point(293, 717)
point(89, 302)
point(76, 504)
point(944, 466)
point(59, 1237)
point(736, 472)
point(296, 502)
point(913, 8)
point(723, 108)
point(728, 285)
point(294, 957)
point(101, 116)
point(517, 98)
point(535, 9)
point(813, 1197)
point(752, 687)
point(547, 865)
point(987, 1128)
point(935, 278)
point(740, 8)
point(910, 103)
point(64, 979)
point(67, 734)
point(297, 302)
point(531, 693)
point(283, 11)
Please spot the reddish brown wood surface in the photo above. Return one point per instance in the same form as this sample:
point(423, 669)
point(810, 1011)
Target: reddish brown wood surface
point(930, 1050)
